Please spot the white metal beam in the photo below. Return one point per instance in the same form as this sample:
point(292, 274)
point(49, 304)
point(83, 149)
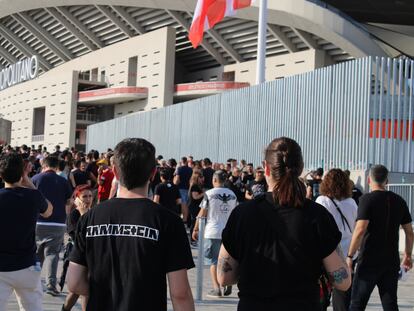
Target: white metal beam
point(80, 26)
point(129, 19)
point(27, 22)
point(23, 47)
point(115, 20)
point(282, 38)
point(223, 43)
point(306, 38)
point(78, 34)
point(206, 45)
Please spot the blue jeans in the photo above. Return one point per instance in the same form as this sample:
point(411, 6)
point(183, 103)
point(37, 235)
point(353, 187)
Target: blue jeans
point(364, 283)
point(184, 196)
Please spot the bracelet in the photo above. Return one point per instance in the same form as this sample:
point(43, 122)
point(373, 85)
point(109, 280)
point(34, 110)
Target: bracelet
point(349, 256)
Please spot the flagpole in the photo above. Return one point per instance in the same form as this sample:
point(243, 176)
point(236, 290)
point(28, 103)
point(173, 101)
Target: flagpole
point(261, 43)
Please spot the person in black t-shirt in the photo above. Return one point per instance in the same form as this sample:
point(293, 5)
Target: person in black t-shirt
point(275, 245)
point(208, 173)
point(235, 184)
point(79, 176)
point(196, 195)
point(125, 247)
point(167, 194)
point(83, 204)
point(376, 235)
point(312, 189)
point(258, 186)
point(248, 174)
point(20, 205)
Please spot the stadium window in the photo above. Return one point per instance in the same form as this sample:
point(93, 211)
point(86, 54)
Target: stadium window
point(39, 121)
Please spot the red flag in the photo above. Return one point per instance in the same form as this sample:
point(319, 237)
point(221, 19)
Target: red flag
point(210, 12)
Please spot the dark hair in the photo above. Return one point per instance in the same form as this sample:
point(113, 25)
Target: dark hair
point(319, 171)
point(11, 167)
point(95, 155)
point(51, 161)
point(284, 158)
point(347, 172)
point(135, 161)
point(220, 176)
point(62, 165)
point(184, 159)
point(207, 161)
point(172, 163)
point(336, 185)
point(165, 174)
point(379, 174)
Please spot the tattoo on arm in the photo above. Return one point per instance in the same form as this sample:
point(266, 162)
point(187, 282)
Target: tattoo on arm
point(338, 276)
point(224, 265)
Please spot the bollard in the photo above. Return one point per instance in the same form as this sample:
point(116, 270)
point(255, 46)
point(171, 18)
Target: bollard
point(200, 259)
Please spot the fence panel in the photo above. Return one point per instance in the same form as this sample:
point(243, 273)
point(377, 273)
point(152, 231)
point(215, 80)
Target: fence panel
point(406, 191)
point(349, 115)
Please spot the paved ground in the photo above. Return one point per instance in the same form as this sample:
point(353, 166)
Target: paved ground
point(405, 292)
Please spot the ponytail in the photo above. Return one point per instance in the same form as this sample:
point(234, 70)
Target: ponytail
point(284, 157)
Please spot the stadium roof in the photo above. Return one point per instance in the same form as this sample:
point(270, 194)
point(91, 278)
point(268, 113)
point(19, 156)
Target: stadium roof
point(58, 32)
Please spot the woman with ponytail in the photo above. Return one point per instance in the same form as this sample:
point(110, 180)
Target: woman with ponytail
point(275, 246)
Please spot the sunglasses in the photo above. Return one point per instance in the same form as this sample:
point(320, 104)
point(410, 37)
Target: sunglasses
point(86, 196)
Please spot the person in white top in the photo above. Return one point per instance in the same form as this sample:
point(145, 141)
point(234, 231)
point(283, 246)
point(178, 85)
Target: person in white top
point(336, 197)
point(217, 205)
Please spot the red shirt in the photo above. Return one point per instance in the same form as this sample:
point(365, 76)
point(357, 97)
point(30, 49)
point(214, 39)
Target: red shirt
point(104, 190)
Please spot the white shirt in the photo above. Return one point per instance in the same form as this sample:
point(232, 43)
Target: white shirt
point(219, 203)
point(349, 209)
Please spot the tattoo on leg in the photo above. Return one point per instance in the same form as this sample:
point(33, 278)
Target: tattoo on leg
point(338, 276)
point(224, 265)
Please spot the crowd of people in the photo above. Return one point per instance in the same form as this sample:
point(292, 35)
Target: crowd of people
point(130, 218)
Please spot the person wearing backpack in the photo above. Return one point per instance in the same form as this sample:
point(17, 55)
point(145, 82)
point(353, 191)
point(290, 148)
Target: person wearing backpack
point(336, 197)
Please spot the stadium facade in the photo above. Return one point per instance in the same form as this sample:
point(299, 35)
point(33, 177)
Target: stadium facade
point(66, 65)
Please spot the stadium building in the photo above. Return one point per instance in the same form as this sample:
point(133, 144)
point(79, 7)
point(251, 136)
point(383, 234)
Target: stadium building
point(66, 65)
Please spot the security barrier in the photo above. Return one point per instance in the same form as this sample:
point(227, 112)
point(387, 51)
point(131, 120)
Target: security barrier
point(350, 115)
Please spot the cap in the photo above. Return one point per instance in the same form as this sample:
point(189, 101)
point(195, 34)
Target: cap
point(102, 162)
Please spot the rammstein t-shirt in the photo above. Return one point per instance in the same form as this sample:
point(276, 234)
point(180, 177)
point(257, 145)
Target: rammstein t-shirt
point(128, 246)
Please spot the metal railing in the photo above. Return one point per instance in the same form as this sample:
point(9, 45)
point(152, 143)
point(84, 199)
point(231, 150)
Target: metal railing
point(38, 138)
point(200, 259)
point(87, 117)
point(406, 191)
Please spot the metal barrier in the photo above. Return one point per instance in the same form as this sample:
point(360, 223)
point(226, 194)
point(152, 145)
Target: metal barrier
point(406, 191)
point(200, 259)
point(349, 115)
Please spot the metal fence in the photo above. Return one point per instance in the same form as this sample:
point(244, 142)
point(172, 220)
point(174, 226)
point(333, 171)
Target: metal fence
point(349, 115)
point(406, 191)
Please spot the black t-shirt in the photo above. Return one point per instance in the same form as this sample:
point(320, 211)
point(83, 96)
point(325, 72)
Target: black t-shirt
point(128, 246)
point(257, 188)
point(185, 173)
point(169, 195)
point(247, 178)
point(92, 167)
point(19, 209)
point(81, 178)
point(72, 222)
point(279, 250)
point(194, 205)
point(236, 185)
point(315, 185)
point(356, 194)
point(386, 211)
point(208, 173)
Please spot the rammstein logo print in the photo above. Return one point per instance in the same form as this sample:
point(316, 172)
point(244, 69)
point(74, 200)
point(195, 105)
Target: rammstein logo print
point(122, 230)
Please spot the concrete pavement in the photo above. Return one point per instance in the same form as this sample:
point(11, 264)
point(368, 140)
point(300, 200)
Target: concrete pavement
point(405, 293)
